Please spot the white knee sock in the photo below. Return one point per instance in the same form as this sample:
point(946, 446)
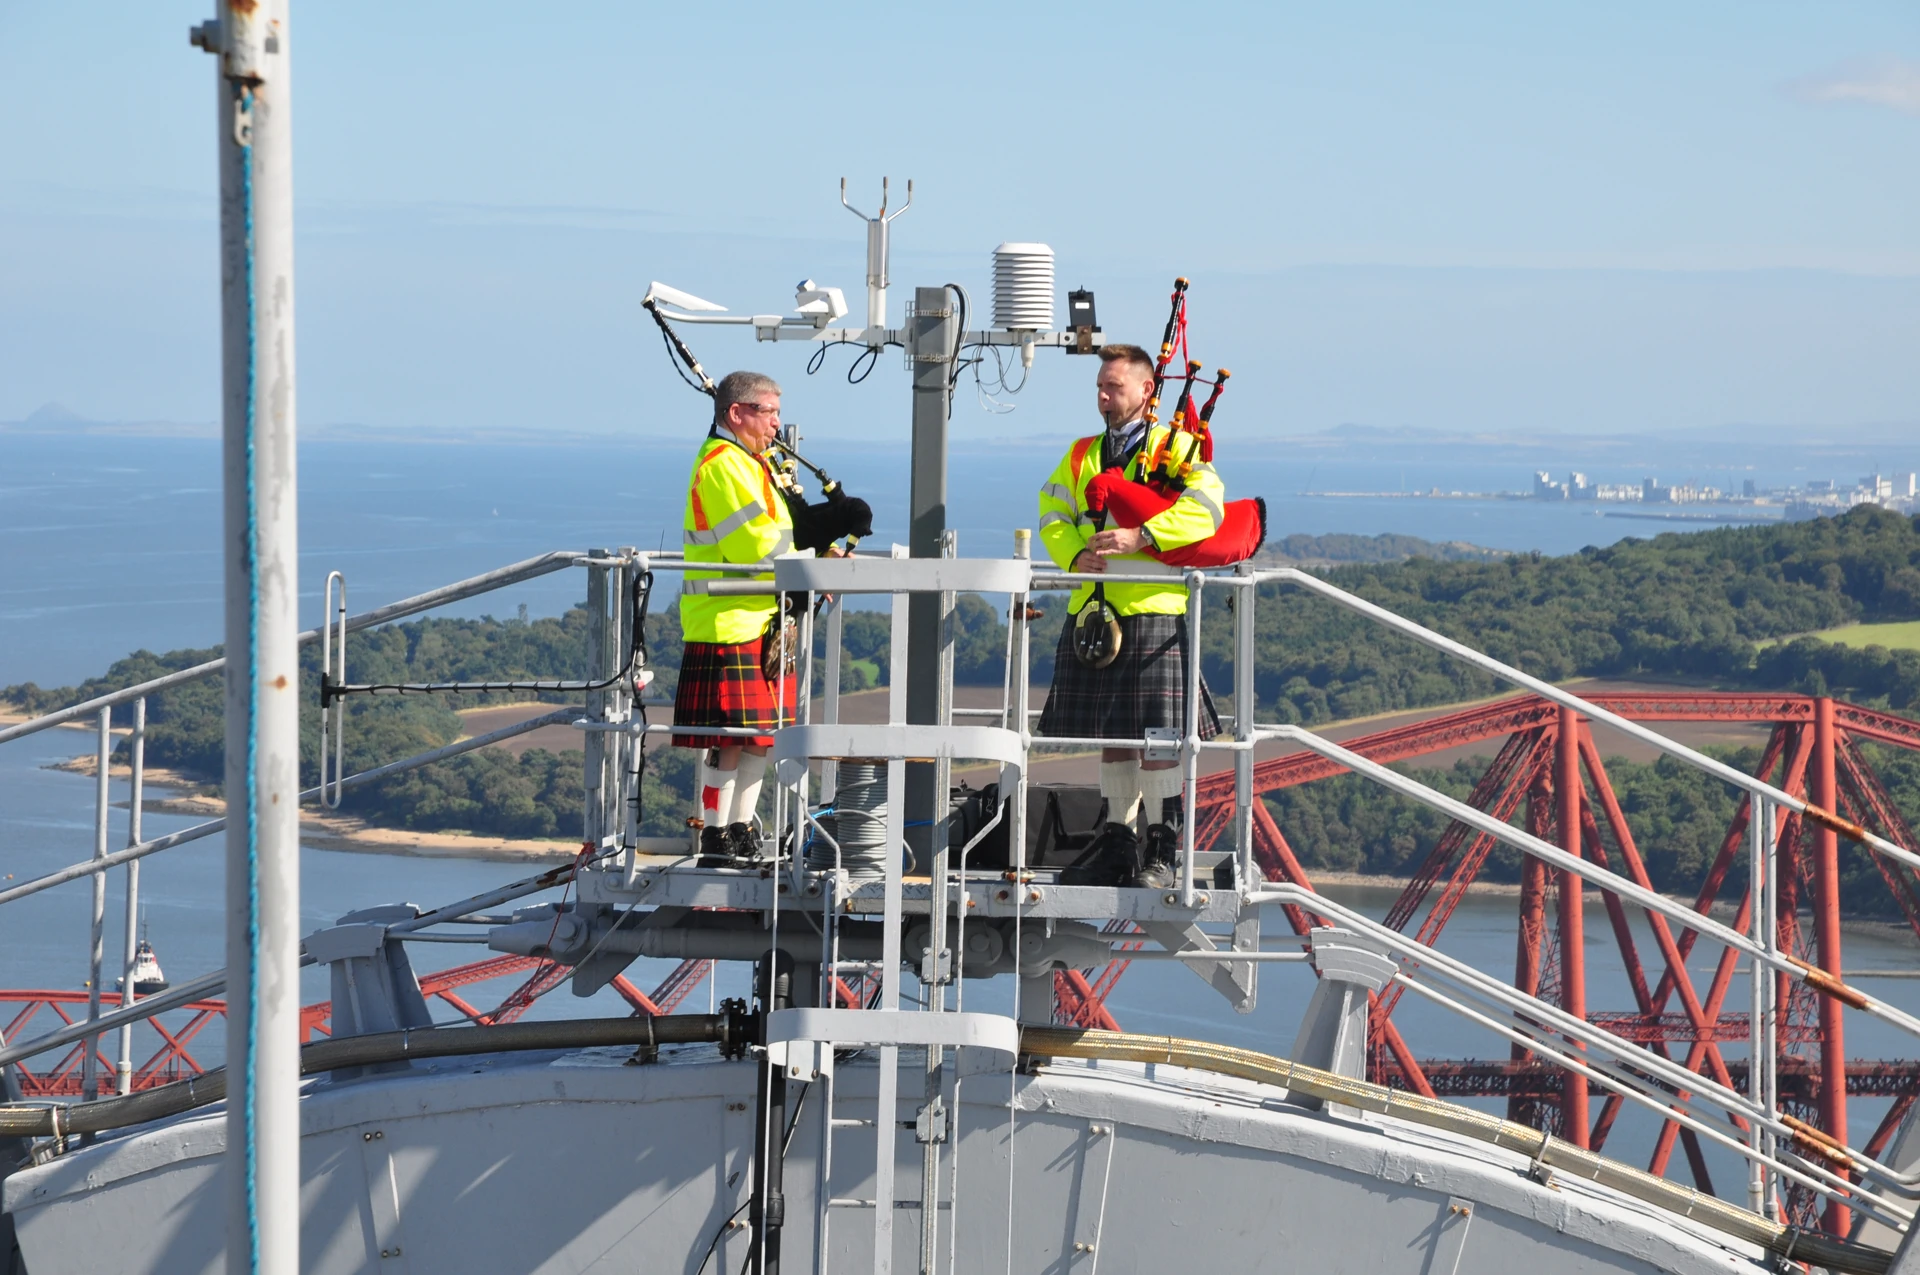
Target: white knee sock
point(716, 793)
point(1120, 785)
point(746, 787)
point(1156, 787)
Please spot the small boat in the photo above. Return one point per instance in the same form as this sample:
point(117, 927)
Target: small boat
point(147, 978)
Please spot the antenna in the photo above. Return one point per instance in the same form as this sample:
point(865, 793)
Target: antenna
point(877, 249)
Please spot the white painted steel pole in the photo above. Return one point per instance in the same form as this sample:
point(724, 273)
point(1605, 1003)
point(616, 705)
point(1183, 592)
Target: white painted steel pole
point(137, 757)
point(96, 934)
point(1190, 744)
point(259, 548)
point(1244, 662)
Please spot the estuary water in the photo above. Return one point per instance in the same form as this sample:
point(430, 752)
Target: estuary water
point(109, 544)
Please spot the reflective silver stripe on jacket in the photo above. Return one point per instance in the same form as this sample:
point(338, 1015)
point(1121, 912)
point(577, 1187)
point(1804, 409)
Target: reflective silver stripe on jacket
point(738, 519)
point(1060, 492)
point(1052, 516)
point(728, 525)
point(1207, 503)
point(783, 544)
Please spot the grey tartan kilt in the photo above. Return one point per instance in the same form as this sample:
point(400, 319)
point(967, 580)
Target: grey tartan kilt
point(1146, 686)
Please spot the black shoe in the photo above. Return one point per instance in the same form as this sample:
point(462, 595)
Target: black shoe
point(743, 844)
point(1159, 859)
point(715, 852)
point(1107, 861)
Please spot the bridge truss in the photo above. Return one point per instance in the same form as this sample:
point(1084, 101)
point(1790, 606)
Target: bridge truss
point(1548, 776)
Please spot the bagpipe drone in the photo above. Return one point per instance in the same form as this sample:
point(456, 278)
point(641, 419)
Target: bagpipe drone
point(816, 524)
point(1130, 502)
point(1114, 498)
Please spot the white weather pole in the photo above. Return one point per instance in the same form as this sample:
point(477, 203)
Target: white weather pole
point(136, 756)
point(263, 671)
point(103, 808)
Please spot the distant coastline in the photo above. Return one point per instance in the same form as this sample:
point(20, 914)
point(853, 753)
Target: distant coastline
point(169, 792)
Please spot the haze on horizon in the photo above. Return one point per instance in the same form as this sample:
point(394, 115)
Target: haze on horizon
point(1637, 218)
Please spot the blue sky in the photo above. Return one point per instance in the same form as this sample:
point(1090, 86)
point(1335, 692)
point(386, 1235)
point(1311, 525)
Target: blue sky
point(1633, 217)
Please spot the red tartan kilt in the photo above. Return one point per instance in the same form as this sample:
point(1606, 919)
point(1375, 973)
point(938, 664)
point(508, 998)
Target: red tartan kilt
point(722, 685)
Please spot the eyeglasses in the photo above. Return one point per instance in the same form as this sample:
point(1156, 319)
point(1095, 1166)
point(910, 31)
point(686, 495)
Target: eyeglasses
point(761, 409)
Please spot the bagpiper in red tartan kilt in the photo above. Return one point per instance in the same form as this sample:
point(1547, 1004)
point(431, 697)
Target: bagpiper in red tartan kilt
point(721, 684)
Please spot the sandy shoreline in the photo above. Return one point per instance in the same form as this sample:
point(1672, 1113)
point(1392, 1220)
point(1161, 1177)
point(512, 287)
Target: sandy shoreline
point(175, 794)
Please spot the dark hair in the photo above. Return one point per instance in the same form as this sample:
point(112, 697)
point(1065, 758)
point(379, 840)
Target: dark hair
point(1120, 352)
point(739, 387)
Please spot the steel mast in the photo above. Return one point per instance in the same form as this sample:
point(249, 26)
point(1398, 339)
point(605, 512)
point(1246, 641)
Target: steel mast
point(260, 552)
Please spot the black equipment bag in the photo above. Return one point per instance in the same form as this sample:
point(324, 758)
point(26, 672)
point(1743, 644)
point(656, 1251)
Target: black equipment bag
point(1062, 821)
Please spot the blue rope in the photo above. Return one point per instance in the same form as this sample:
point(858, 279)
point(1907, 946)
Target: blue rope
point(252, 549)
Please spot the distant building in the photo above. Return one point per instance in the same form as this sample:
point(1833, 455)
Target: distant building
point(1819, 486)
point(1544, 488)
point(1578, 488)
point(1653, 493)
point(1749, 489)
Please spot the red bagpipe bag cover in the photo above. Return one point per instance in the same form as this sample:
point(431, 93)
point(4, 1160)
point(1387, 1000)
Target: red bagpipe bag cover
point(1129, 504)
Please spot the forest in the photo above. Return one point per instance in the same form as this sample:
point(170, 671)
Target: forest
point(1722, 608)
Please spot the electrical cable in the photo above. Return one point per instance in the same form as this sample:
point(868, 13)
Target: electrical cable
point(984, 395)
point(799, 1105)
point(678, 352)
point(639, 597)
point(963, 312)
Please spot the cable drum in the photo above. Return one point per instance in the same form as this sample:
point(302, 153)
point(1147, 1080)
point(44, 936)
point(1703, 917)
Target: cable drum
point(1023, 287)
point(858, 823)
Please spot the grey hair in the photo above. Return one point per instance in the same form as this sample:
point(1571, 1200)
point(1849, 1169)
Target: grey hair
point(740, 387)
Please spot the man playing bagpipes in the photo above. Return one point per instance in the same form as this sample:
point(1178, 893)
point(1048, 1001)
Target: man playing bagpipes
point(737, 669)
point(1121, 665)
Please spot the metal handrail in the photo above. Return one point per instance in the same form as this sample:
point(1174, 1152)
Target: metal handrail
point(1814, 977)
point(74, 871)
point(515, 573)
point(1550, 1032)
point(1417, 960)
point(212, 984)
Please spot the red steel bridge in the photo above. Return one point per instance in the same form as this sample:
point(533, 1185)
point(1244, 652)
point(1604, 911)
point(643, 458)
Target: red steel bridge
point(171, 1055)
point(1548, 775)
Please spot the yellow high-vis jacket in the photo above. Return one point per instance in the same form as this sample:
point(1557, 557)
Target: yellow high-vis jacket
point(733, 515)
point(1066, 527)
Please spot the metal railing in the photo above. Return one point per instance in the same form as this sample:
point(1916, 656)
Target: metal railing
point(100, 708)
point(1751, 1125)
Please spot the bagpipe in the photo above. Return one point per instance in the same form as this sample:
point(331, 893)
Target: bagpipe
point(1115, 499)
point(816, 524)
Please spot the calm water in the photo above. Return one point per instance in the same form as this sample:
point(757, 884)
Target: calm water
point(108, 545)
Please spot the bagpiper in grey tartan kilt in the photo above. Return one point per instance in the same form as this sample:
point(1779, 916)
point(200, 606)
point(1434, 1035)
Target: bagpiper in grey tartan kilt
point(1146, 686)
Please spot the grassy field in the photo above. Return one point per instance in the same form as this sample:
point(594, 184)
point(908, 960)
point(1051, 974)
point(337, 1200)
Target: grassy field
point(1902, 635)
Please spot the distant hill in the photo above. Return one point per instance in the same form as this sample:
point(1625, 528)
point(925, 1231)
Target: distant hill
point(50, 416)
point(1338, 549)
